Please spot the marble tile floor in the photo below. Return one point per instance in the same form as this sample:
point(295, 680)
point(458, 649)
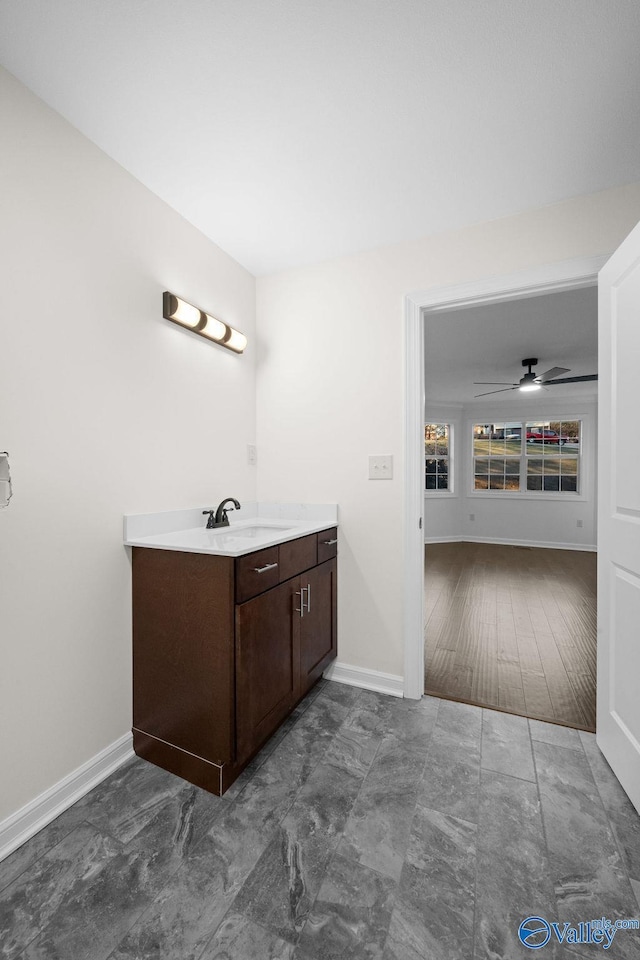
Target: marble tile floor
point(369, 827)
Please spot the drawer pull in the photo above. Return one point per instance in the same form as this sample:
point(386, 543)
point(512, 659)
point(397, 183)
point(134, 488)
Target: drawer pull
point(329, 543)
point(267, 566)
point(308, 598)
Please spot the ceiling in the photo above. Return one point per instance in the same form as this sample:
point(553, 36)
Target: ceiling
point(291, 131)
point(489, 342)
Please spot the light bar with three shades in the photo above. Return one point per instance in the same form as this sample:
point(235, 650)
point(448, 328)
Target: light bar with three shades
point(192, 318)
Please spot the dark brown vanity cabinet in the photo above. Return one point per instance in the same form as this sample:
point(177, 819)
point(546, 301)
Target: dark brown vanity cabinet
point(224, 648)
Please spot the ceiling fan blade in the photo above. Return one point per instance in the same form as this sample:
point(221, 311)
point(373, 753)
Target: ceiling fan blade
point(590, 376)
point(551, 374)
point(504, 390)
point(488, 383)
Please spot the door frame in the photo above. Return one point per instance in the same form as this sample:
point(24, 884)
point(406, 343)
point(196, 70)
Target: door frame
point(548, 278)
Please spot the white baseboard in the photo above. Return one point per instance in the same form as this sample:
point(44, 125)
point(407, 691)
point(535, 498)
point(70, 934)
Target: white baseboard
point(454, 538)
point(30, 819)
point(387, 683)
point(544, 544)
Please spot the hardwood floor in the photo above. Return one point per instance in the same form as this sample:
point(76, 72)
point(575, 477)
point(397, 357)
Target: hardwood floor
point(513, 628)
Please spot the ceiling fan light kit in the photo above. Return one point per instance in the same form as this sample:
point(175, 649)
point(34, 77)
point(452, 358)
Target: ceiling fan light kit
point(530, 381)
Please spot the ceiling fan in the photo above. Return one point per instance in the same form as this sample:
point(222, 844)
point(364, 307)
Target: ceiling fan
point(533, 381)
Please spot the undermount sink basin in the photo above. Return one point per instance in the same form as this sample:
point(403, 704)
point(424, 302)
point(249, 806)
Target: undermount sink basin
point(251, 532)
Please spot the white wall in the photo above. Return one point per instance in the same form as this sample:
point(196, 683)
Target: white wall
point(106, 409)
point(331, 385)
point(515, 517)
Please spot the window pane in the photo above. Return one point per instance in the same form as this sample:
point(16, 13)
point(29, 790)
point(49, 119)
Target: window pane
point(437, 474)
point(569, 433)
point(482, 439)
point(512, 467)
point(430, 431)
point(496, 483)
point(482, 483)
point(496, 466)
point(569, 475)
point(436, 438)
point(513, 438)
point(512, 482)
point(549, 473)
point(551, 438)
point(442, 445)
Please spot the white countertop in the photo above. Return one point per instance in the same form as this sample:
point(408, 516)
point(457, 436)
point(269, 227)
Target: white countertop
point(256, 526)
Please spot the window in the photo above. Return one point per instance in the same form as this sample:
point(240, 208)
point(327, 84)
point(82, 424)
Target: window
point(553, 455)
point(533, 456)
point(436, 456)
point(497, 454)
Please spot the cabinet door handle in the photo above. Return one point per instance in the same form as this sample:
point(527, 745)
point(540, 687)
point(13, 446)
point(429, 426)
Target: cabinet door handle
point(308, 598)
point(267, 566)
point(329, 543)
point(300, 593)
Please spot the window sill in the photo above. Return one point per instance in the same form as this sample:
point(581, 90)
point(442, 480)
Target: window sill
point(447, 494)
point(541, 497)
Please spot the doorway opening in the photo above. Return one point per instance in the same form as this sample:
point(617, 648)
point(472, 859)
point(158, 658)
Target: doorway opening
point(510, 505)
point(540, 582)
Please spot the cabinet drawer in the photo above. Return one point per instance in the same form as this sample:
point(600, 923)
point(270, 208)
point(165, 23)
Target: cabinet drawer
point(327, 544)
point(298, 555)
point(256, 572)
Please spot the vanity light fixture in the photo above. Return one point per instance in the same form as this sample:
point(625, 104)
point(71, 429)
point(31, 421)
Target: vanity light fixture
point(190, 317)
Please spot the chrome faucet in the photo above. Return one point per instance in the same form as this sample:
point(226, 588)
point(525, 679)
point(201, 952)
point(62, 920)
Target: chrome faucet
point(220, 518)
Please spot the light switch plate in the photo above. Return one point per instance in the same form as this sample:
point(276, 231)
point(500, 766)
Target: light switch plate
point(381, 468)
point(252, 454)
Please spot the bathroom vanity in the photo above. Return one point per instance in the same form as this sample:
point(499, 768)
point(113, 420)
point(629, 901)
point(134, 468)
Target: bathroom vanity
point(230, 630)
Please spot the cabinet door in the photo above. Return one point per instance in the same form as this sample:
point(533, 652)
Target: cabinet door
point(267, 664)
point(318, 625)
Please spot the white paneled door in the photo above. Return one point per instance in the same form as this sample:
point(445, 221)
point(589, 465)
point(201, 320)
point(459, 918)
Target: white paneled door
point(618, 719)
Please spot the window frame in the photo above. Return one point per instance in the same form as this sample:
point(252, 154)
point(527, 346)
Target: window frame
point(584, 478)
point(451, 491)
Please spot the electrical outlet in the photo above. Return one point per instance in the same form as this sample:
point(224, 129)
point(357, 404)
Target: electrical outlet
point(252, 454)
point(578, 523)
point(381, 468)
point(472, 516)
